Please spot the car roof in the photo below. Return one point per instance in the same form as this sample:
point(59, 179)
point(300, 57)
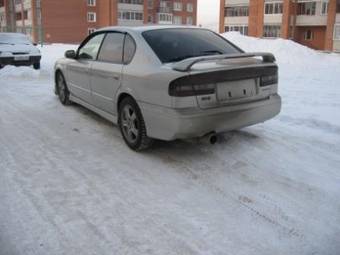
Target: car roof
point(13, 34)
point(142, 29)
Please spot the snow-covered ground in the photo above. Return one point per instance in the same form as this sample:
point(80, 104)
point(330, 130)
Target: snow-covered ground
point(69, 185)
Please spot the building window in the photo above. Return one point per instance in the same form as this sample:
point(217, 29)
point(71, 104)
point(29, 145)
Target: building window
point(178, 6)
point(130, 15)
point(165, 17)
point(272, 31)
point(236, 11)
point(150, 19)
point(178, 20)
point(2, 3)
point(337, 32)
point(273, 8)
point(91, 30)
point(189, 20)
point(307, 8)
point(131, 1)
point(150, 4)
point(238, 28)
point(190, 7)
point(25, 14)
point(338, 6)
point(324, 8)
point(91, 17)
point(18, 16)
point(91, 2)
point(308, 35)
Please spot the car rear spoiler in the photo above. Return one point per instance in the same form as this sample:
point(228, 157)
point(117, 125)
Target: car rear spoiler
point(185, 65)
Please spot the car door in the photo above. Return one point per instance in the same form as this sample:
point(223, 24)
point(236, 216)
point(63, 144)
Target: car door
point(106, 72)
point(78, 75)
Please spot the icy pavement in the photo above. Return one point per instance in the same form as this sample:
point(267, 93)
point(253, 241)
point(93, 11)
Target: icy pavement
point(69, 184)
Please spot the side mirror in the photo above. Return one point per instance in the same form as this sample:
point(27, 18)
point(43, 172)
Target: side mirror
point(70, 54)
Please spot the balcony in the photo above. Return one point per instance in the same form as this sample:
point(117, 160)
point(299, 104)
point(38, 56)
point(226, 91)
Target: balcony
point(312, 13)
point(164, 9)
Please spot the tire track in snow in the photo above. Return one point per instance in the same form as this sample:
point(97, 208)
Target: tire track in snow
point(243, 201)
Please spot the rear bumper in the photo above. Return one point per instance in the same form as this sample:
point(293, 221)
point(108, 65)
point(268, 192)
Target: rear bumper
point(11, 61)
point(171, 124)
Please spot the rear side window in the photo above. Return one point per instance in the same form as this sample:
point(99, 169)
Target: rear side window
point(176, 44)
point(112, 48)
point(129, 49)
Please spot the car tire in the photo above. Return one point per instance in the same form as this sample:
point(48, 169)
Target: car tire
point(132, 125)
point(62, 90)
point(36, 66)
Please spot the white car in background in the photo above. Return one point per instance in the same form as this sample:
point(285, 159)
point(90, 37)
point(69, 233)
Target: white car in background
point(17, 49)
point(169, 83)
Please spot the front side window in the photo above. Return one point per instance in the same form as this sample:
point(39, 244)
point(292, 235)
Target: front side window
point(90, 49)
point(112, 48)
point(176, 44)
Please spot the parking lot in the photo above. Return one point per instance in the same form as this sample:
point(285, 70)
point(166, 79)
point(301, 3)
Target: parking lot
point(69, 184)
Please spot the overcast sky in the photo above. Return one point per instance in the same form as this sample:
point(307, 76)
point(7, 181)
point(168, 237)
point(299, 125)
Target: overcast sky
point(208, 13)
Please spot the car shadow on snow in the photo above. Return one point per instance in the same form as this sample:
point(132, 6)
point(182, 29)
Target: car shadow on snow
point(223, 139)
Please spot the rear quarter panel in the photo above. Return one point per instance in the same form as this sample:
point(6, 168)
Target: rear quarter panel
point(146, 78)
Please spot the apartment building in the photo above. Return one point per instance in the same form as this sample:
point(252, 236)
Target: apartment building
point(314, 23)
point(69, 21)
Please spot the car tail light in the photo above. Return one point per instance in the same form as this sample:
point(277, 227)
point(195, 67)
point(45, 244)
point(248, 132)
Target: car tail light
point(182, 90)
point(269, 80)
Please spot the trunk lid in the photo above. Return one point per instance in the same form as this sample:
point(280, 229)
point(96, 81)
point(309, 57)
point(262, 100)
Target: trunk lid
point(236, 81)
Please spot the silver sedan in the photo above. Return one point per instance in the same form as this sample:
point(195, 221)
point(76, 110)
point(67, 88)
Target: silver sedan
point(168, 83)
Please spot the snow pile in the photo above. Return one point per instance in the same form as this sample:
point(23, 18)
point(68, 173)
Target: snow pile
point(291, 56)
point(309, 81)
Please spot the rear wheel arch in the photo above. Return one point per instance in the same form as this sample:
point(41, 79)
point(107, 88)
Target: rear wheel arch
point(121, 97)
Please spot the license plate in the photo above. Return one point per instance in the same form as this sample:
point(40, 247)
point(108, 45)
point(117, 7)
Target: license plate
point(236, 89)
point(21, 58)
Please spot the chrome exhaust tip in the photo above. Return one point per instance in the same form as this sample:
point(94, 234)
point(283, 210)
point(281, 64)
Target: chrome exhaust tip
point(210, 138)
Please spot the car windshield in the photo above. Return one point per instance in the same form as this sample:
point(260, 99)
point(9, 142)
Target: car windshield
point(176, 44)
point(8, 38)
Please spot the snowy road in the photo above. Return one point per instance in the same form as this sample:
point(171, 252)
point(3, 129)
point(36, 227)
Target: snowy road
point(69, 184)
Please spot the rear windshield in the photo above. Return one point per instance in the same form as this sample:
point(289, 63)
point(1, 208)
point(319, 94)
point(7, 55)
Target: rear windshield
point(176, 44)
point(13, 38)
